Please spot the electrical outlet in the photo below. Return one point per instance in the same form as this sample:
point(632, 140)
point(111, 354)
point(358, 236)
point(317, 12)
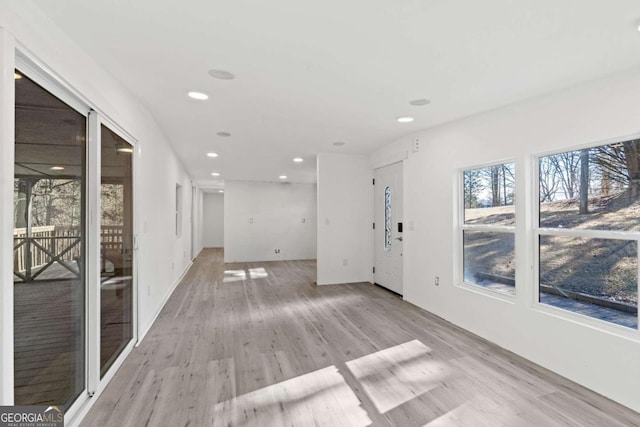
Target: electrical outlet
point(437, 281)
point(277, 251)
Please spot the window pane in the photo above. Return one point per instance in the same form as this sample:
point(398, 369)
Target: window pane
point(387, 219)
point(116, 236)
point(596, 188)
point(593, 277)
point(489, 260)
point(49, 290)
point(489, 195)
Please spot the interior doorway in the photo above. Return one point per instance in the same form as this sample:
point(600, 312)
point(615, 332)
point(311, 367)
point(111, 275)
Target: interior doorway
point(388, 227)
point(213, 220)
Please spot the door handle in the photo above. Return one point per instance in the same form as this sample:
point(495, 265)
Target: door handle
point(399, 238)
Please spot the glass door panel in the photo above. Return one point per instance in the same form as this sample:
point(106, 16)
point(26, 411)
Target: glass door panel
point(116, 247)
point(49, 240)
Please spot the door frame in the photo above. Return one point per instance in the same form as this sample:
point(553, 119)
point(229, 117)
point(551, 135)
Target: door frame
point(378, 166)
point(16, 56)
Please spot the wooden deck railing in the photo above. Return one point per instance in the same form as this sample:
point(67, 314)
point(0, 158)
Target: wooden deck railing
point(52, 244)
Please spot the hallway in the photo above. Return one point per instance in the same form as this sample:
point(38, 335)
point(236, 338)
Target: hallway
point(258, 344)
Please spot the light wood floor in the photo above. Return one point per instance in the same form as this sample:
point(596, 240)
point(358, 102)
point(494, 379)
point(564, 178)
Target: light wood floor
point(260, 345)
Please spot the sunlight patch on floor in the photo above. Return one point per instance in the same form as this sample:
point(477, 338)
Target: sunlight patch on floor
point(398, 374)
point(258, 273)
point(240, 275)
point(322, 397)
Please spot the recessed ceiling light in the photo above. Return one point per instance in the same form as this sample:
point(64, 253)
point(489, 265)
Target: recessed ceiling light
point(212, 154)
point(283, 177)
point(420, 102)
point(224, 134)
point(124, 150)
point(17, 76)
point(200, 96)
point(57, 168)
point(338, 143)
point(215, 173)
point(298, 160)
point(220, 191)
point(404, 119)
point(221, 74)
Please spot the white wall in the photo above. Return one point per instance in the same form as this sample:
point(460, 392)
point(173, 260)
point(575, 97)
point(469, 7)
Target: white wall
point(260, 217)
point(213, 220)
point(345, 218)
point(7, 120)
point(162, 257)
point(607, 362)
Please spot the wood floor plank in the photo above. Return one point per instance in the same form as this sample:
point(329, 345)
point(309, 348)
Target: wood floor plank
point(258, 344)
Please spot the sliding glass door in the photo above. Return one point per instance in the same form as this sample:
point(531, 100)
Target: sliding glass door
point(49, 239)
point(73, 270)
point(116, 247)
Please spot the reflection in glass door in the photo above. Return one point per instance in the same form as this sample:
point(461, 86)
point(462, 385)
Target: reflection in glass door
point(49, 239)
point(116, 247)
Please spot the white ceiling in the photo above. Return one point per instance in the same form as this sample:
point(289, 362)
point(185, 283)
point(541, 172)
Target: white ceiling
point(309, 73)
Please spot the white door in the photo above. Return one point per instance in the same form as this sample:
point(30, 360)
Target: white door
point(388, 227)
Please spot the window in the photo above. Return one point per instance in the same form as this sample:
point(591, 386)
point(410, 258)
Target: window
point(488, 227)
point(588, 230)
point(387, 219)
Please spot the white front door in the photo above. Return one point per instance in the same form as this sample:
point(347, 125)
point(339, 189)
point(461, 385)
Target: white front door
point(388, 227)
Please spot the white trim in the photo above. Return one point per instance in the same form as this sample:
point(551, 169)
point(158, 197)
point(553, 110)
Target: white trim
point(7, 153)
point(589, 233)
point(481, 290)
point(35, 70)
point(74, 418)
point(144, 333)
point(93, 254)
point(488, 228)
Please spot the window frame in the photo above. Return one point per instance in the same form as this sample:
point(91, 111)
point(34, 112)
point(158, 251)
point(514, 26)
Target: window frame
point(538, 231)
point(461, 227)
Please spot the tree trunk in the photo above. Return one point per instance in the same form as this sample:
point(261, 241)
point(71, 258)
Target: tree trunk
point(495, 186)
point(632, 160)
point(584, 182)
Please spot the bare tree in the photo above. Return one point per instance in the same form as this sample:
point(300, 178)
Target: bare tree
point(620, 163)
point(566, 165)
point(549, 181)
